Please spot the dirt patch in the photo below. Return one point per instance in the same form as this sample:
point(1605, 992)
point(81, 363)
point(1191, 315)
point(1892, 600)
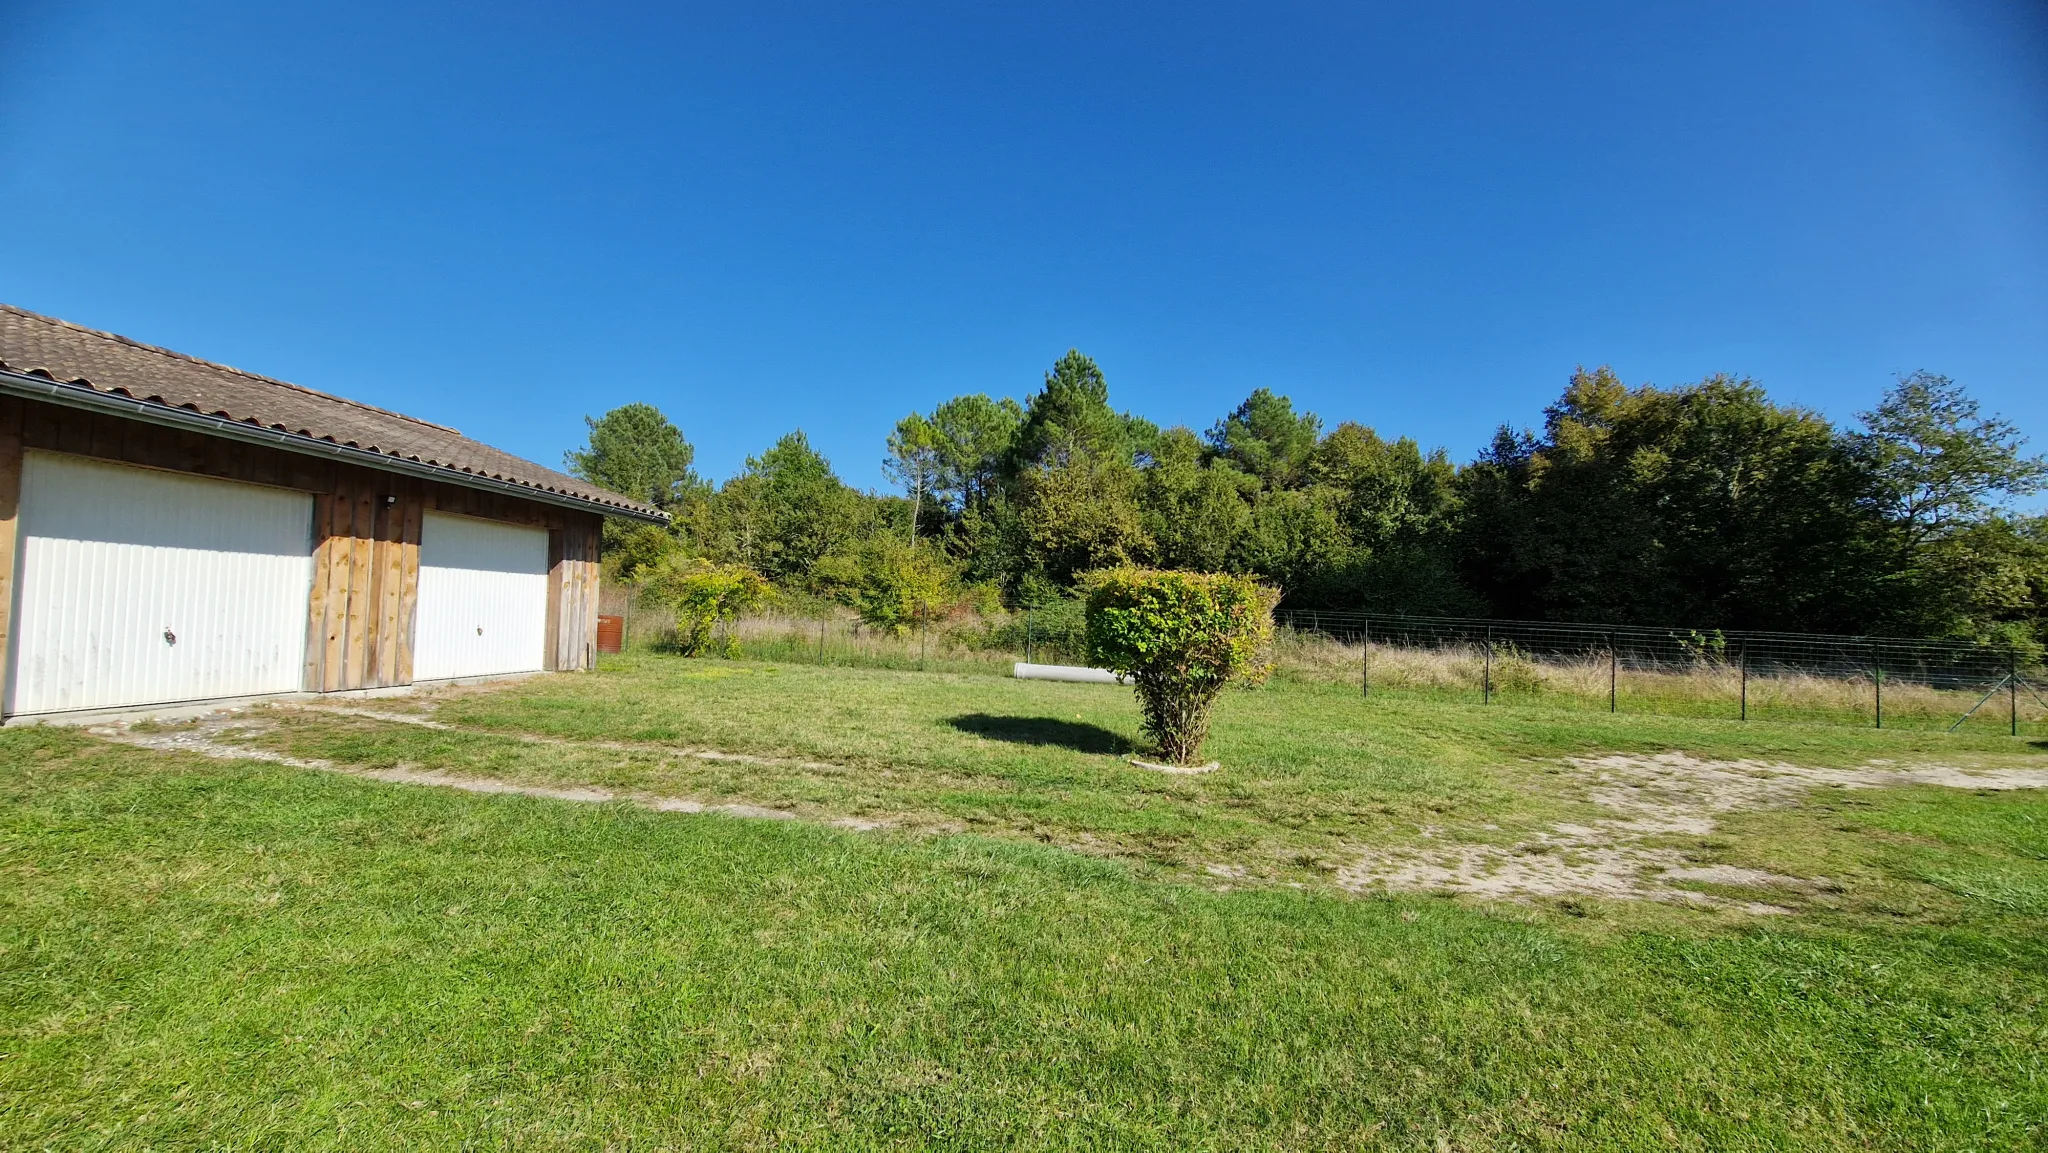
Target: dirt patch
point(220, 736)
point(419, 720)
point(1650, 796)
point(210, 736)
point(699, 754)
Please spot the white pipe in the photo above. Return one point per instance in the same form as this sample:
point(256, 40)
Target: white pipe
point(1090, 676)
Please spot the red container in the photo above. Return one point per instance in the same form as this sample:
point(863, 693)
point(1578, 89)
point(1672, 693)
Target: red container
point(611, 633)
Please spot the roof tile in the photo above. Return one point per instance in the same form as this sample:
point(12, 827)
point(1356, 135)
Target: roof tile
point(33, 344)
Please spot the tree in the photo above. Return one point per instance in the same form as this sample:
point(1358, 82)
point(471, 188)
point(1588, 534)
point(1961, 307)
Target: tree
point(634, 451)
point(1193, 510)
point(788, 509)
point(1941, 475)
point(1702, 504)
point(1181, 638)
point(1981, 581)
point(1071, 415)
point(974, 435)
point(1392, 492)
point(914, 462)
point(1296, 540)
point(1400, 510)
point(1080, 513)
point(1495, 537)
point(2029, 622)
point(639, 550)
point(1937, 463)
point(1266, 438)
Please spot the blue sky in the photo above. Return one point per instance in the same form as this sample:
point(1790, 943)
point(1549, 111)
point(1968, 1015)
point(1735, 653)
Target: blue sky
point(766, 216)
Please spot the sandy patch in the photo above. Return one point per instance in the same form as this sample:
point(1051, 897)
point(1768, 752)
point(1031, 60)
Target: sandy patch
point(1649, 796)
point(1175, 770)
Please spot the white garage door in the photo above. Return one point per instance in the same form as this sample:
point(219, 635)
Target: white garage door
point(483, 604)
point(140, 587)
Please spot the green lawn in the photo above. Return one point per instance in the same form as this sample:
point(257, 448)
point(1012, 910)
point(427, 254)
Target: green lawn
point(206, 953)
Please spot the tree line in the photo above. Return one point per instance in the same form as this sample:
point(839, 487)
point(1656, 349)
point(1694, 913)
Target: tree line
point(1705, 504)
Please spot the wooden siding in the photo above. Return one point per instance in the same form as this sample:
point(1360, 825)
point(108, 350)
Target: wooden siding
point(572, 596)
point(366, 561)
point(10, 524)
point(366, 538)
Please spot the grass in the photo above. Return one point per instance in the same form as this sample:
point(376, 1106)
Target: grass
point(198, 953)
point(1313, 771)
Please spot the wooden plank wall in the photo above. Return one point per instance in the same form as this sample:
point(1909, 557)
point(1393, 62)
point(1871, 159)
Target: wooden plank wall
point(573, 596)
point(365, 540)
point(366, 574)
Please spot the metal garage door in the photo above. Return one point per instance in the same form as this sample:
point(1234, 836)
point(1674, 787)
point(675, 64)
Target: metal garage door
point(483, 604)
point(139, 587)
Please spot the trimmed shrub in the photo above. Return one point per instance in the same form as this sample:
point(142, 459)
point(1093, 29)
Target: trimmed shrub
point(1181, 638)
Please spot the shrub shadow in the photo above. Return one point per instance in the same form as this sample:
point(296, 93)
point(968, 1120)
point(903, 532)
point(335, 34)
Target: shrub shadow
point(1075, 735)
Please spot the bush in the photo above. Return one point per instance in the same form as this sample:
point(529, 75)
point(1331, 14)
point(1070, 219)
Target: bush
point(704, 595)
point(1181, 638)
point(632, 551)
point(892, 586)
point(1053, 630)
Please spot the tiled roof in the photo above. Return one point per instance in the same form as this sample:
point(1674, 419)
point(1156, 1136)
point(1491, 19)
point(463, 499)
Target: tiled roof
point(36, 345)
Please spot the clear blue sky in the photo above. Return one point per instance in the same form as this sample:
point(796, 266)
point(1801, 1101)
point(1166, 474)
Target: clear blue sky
point(764, 216)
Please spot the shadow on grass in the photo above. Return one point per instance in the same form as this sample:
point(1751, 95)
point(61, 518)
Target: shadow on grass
point(1075, 735)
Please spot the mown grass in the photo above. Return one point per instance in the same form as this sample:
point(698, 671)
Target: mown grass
point(1311, 771)
point(196, 953)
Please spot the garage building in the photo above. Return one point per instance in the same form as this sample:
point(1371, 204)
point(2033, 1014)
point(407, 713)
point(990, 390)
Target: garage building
point(175, 530)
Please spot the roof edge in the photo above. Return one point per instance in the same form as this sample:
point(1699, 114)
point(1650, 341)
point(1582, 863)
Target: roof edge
point(155, 412)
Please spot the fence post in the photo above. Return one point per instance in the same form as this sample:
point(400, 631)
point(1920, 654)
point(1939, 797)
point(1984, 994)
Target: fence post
point(1877, 680)
point(1365, 662)
point(1486, 680)
point(1613, 675)
point(1742, 655)
point(2012, 689)
point(626, 626)
point(821, 642)
point(924, 643)
point(1027, 634)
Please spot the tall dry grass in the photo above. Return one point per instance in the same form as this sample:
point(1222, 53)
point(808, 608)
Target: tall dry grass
point(1705, 686)
point(833, 640)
